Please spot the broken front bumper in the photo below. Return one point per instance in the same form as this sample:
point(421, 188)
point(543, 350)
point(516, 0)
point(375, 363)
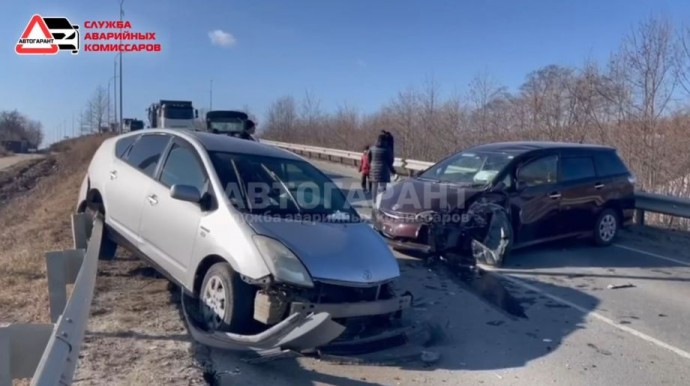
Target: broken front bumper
point(309, 326)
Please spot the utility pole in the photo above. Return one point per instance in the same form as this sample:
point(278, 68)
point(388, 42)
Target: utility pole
point(114, 91)
point(211, 96)
point(121, 14)
point(74, 133)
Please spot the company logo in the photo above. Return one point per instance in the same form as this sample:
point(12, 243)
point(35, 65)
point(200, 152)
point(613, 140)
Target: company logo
point(367, 274)
point(48, 36)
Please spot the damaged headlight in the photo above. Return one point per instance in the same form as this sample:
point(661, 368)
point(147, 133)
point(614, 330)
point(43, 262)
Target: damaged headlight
point(283, 264)
point(426, 216)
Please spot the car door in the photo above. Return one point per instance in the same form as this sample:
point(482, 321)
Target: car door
point(536, 199)
point(169, 226)
point(580, 198)
point(127, 182)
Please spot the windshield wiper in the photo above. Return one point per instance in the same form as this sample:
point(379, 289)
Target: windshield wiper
point(285, 188)
point(428, 179)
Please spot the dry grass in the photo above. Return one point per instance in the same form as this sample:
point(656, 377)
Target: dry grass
point(135, 335)
point(34, 221)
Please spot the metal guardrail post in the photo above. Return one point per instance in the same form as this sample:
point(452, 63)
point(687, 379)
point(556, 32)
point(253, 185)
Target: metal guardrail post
point(639, 216)
point(21, 348)
point(62, 267)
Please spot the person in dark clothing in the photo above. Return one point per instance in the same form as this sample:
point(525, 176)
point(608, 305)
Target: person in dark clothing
point(389, 142)
point(380, 165)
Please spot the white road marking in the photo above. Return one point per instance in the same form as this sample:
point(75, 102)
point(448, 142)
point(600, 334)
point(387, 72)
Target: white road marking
point(652, 254)
point(595, 315)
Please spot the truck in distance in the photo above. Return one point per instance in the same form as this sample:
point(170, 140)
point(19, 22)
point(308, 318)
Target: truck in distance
point(171, 114)
point(230, 122)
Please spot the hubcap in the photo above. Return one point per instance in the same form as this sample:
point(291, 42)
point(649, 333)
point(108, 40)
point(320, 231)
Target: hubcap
point(607, 227)
point(213, 302)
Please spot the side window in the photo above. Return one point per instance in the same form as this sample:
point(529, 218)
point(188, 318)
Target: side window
point(123, 145)
point(146, 152)
point(577, 168)
point(609, 164)
point(184, 168)
point(539, 172)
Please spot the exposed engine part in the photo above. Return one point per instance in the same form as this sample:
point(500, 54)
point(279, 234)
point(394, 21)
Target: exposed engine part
point(269, 308)
point(479, 233)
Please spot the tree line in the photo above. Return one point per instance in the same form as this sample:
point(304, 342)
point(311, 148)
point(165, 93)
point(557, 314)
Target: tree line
point(637, 101)
point(17, 127)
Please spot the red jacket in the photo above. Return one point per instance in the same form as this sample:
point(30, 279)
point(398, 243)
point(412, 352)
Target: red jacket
point(364, 163)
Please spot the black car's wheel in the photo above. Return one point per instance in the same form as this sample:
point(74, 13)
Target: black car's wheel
point(226, 302)
point(606, 227)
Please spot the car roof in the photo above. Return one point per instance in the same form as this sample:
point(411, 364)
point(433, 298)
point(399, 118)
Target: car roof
point(224, 143)
point(516, 148)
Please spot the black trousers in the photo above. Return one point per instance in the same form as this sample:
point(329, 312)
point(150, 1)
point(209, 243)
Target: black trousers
point(366, 183)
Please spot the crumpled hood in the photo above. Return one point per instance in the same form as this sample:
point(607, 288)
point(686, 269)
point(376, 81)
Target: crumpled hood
point(413, 196)
point(346, 252)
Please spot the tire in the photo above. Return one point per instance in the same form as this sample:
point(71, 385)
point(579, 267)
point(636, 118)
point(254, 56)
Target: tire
point(606, 227)
point(108, 246)
point(225, 301)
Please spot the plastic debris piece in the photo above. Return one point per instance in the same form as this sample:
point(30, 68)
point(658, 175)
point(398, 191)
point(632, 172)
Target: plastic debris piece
point(618, 286)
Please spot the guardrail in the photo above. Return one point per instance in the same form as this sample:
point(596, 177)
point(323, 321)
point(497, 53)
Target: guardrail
point(48, 353)
point(644, 201)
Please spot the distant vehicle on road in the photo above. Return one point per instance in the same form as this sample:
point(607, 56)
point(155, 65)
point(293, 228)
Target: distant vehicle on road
point(169, 114)
point(187, 202)
point(131, 124)
point(230, 122)
point(547, 191)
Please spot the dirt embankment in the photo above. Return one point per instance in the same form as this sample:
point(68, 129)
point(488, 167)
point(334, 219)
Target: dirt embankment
point(135, 334)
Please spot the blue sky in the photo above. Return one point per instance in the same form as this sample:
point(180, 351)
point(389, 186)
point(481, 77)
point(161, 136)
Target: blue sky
point(359, 52)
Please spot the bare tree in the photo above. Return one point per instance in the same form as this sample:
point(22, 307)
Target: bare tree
point(15, 126)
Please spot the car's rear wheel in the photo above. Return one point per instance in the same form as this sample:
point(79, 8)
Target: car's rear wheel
point(606, 227)
point(226, 302)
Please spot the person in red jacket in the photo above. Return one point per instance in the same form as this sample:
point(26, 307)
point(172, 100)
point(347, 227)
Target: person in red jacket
point(364, 169)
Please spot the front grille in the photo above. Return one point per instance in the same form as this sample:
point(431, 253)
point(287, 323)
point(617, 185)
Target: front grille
point(332, 293)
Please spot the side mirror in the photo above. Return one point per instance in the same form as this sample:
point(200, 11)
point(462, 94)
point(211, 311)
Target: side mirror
point(185, 193)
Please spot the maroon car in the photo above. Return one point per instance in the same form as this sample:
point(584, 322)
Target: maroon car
point(547, 191)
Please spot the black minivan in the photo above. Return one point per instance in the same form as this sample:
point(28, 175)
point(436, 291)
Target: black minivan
point(550, 190)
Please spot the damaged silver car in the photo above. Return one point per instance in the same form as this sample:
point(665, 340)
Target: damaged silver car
point(267, 249)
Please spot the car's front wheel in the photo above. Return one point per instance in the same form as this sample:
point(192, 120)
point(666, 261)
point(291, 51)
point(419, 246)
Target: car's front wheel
point(108, 246)
point(226, 302)
point(606, 227)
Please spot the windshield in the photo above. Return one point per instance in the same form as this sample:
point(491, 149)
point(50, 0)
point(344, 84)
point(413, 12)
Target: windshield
point(178, 112)
point(231, 126)
point(471, 168)
point(280, 187)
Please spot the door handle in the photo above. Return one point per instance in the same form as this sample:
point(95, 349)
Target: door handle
point(555, 195)
point(153, 199)
point(113, 174)
point(598, 186)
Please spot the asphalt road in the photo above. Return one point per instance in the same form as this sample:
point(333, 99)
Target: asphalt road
point(546, 317)
point(6, 162)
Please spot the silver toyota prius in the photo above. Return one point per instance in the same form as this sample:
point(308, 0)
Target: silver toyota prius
point(255, 233)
